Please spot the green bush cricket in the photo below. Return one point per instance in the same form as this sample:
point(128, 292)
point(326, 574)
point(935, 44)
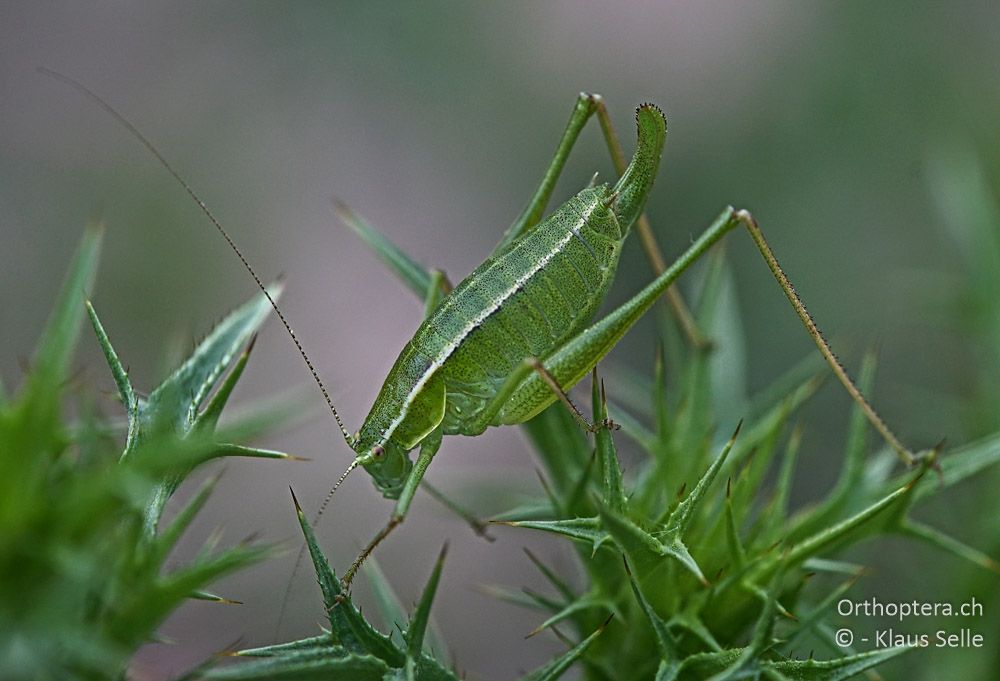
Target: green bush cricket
point(510, 338)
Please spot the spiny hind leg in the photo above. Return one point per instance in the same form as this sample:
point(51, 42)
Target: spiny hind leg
point(748, 221)
point(563, 397)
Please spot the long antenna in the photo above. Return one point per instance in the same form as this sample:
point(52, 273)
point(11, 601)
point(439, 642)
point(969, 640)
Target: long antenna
point(302, 549)
point(127, 124)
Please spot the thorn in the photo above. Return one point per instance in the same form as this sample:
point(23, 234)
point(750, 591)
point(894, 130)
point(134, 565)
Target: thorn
point(253, 341)
point(736, 432)
point(562, 637)
point(295, 500)
point(231, 650)
point(344, 211)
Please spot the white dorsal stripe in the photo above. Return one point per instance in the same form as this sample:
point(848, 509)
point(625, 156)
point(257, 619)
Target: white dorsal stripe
point(450, 347)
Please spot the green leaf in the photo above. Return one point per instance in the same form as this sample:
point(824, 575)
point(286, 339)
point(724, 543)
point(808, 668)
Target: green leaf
point(761, 640)
point(418, 622)
point(141, 616)
point(579, 529)
point(705, 665)
point(633, 428)
point(560, 584)
point(51, 361)
point(228, 449)
point(646, 551)
point(177, 399)
point(415, 276)
point(737, 554)
point(850, 492)
point(524, 598)
point(209, 417)
point(388, 603)
point(935, 537)
point(833, 670)
point(322, 642)
point(349, 628)
point(556, 667)
point(614, 491)
point(531, 510)
point(834, 536)
point(125, 391)
point(167, 539)
point(202, 595)
point(664, 640)
point(962, 463)
point(574, 607)
point(719, 319)
point(815, 616)
point(679, 520)
point(317, 665)
point(776, 513)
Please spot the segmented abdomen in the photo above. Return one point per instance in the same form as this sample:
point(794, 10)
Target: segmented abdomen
point(525, 302)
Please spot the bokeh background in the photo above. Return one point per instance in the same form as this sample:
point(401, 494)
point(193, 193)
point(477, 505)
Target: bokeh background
point(860, 134)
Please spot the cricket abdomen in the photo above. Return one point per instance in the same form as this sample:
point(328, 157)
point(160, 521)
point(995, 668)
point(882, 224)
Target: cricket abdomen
point(524, 302)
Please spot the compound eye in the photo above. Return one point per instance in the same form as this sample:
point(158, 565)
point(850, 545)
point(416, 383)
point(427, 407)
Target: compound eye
point(378, 451)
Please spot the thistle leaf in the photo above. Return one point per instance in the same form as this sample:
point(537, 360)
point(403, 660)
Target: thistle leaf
point(833, 670)
point(332, 664)
point(418, 622)
point(209, 416)
point(415, 276)
point(51, 361)
point(613, 489)
point(555, 668)
point(348, 627)
point(177, 399)
point(125, 391)
point(664, 639)
point(580, 529)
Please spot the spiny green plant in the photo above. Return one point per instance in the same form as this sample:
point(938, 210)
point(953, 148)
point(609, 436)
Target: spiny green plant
point(695, 566)
point(83, 539)
point(969, 208)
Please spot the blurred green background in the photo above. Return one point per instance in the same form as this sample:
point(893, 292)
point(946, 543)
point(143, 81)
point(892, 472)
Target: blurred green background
point(863, 137)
